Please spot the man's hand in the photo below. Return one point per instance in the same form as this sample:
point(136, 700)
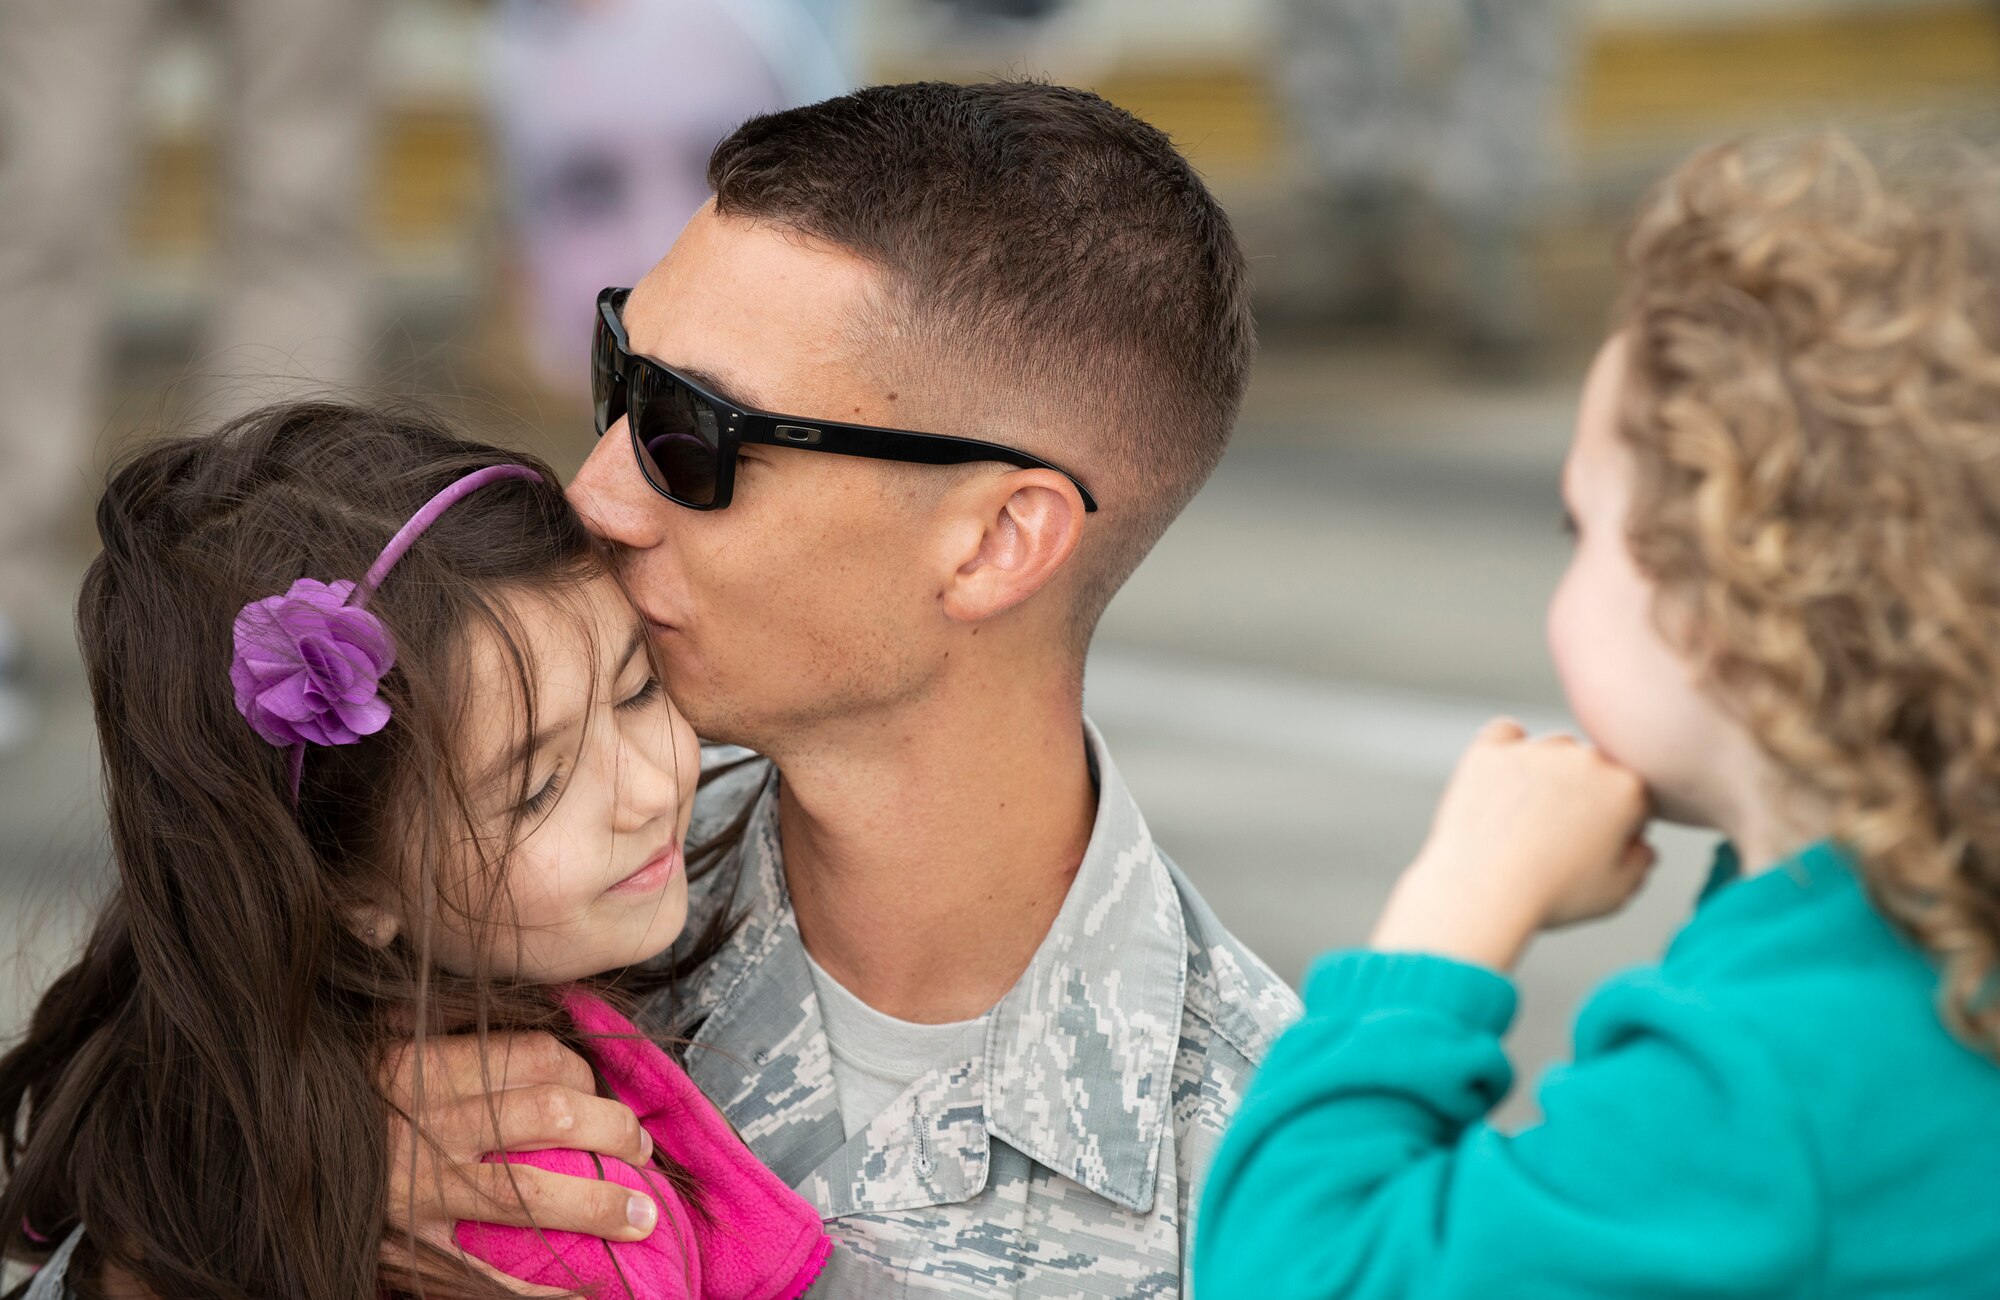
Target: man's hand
point(1530, 835)
point(532, 1093)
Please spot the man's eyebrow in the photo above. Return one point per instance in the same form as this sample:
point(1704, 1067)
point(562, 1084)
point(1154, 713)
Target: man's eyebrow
point(732, 392)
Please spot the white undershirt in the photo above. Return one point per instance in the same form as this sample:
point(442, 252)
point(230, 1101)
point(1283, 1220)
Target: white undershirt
point(877, 1057)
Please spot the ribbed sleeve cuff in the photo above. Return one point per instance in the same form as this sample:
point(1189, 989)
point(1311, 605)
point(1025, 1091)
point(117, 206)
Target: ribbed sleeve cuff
point(1355, 983)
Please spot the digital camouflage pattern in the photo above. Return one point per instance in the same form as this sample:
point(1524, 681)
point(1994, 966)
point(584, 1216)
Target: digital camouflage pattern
point(1061, 1162)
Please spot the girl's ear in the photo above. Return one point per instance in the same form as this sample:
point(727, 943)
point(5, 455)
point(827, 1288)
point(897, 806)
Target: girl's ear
point(373, 924)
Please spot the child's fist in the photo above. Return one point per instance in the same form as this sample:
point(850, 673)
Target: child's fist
point(1530, 834)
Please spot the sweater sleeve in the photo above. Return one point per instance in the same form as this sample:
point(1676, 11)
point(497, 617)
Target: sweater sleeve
point(1670, 1162)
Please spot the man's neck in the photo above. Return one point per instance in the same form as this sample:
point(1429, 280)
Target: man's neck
point(928, 855)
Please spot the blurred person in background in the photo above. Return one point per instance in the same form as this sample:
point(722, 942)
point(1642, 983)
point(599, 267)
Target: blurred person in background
point(835, 20)
point(1076, 42)
point(1448, 103)
point(989, 13)
point(606, 111)
point(290, 299)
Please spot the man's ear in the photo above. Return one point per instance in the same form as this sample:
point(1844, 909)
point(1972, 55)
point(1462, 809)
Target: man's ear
point(373, 924)
point(1023, 528)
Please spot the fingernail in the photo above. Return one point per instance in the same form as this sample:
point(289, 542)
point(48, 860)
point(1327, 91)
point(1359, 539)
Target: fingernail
point(646, 1147)
point(641, 1213)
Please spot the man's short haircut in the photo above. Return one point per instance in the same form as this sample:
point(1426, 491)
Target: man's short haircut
point(1052, 244)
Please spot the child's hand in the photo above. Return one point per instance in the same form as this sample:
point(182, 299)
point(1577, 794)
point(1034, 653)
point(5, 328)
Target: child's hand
point(1531, 834)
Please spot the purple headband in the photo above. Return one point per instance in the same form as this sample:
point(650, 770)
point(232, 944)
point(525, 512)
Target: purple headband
point(309, 663)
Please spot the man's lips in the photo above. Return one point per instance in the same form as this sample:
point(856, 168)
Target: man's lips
point(654, 875)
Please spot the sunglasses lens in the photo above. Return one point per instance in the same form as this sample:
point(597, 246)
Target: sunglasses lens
point(604, 376)
point(676, 435)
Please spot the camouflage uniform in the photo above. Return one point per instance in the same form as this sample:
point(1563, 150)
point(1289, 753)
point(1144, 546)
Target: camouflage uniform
point(1455, 101)
point(1061, 1162)
point(52, 1282)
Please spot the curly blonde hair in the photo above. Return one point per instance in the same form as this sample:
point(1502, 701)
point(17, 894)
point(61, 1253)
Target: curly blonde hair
point(1813, 397)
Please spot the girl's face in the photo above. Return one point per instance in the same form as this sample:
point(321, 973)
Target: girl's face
point(596, 878)
point(1634, 696)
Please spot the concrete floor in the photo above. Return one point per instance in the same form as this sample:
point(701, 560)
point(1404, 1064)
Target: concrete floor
point(1285, 683)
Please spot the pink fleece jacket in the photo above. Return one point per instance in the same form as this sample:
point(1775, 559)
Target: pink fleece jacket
point(752, 1239)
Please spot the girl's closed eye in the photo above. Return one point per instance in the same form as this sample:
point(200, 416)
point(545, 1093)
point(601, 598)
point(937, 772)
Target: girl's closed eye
point(545, 795)
point(645, 695)
point(544, 798)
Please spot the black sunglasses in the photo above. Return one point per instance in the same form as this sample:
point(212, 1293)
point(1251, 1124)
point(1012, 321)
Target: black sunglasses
point(686, 437)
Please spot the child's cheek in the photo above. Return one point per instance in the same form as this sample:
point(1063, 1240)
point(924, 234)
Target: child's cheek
point(687, 766)
point(1579, 650)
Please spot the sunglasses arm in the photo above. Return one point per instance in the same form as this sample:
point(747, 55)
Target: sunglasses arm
point(893, 444)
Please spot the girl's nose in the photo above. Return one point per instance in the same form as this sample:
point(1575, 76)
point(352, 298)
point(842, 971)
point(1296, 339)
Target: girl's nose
point(647, 784)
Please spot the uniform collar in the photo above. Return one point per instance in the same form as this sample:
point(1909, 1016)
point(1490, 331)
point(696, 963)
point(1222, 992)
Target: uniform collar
point(1080, 1051)
point(1079, 1054)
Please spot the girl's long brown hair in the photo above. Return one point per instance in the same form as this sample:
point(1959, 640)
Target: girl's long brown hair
point(200, 1087)
point(1814, 402)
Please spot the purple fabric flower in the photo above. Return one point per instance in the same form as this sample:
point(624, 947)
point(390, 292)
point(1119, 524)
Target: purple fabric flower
point(308, 665)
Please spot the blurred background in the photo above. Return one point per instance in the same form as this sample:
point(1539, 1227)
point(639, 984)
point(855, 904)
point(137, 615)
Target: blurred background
point(205, 203)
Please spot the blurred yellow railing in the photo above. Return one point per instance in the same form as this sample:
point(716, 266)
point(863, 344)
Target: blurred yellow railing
point(433, 182)
point(1914, 56)
point(434, 179)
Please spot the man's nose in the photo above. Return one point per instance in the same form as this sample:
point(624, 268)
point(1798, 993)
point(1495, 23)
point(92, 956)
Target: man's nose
point(613, 497)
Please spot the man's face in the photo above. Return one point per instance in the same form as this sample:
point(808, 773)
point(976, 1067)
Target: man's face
point(813, 594)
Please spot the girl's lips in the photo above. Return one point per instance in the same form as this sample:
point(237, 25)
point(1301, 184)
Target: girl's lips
point(659, 869)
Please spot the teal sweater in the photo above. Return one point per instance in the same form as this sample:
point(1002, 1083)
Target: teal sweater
point(1774, 1110)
